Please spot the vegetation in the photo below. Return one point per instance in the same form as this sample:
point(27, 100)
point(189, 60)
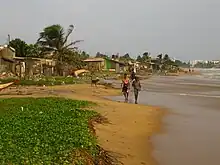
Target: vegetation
point(50, 81)
point(182, 64)
point(22, 49)
point(54, 38)
point(54, 42)
point(44, 131)
point(161, 63)
point(126, 58)
point(61, 80)
point(145, 58)
point(100, 55)
point(206, 65)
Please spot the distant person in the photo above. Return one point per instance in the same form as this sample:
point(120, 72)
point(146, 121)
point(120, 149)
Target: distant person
point(125, 87)
point(137, 88)
point(132, 77)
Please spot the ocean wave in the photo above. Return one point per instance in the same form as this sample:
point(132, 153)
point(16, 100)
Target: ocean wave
point(213, 73)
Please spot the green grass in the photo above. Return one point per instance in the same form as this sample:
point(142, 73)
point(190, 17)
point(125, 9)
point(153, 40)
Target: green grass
point(38, 131)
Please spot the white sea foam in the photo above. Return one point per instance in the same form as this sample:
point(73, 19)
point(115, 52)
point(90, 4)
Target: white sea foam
point(213, 73)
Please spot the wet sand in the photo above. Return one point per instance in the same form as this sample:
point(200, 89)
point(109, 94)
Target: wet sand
point(191, 134)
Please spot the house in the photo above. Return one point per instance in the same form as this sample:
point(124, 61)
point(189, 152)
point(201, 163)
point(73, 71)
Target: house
point(95, 63)
point(33, 66)
point(105, 64)
point(7, 55)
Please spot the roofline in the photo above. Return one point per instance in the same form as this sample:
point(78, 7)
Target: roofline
point(99, 59)
point(7, 46)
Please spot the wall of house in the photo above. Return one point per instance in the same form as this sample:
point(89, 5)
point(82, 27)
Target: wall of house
point(110, 64)
point(107, 64)
point(7, 53)
point(97, 65)
point(117, 68)
point(6, 65)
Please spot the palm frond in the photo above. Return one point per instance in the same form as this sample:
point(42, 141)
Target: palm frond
point(69, 31)
point(72, 43)
point(42, 35)
point(74, 48)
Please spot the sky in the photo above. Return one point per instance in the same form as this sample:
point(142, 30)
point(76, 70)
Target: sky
point(184, 29)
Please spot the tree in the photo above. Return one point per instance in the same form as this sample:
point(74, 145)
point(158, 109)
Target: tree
point(159, 61)
point(84, 55)
point(209, 64)
point(19, 46)
point(126, 58)
point(146, 57)
point(33, 50)
point(166, 58)
point(100, 55)
point(22, 49)
point(146, 54)
point(181, 64)
point(54, 38)
point(160, 57)
point(139, 58)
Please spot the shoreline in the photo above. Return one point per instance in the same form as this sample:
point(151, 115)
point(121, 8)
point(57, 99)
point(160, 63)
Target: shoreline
point(132, 126)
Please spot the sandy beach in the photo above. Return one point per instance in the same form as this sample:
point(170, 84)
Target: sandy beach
point(141, 134)
point(131, 128)
point(190, 130)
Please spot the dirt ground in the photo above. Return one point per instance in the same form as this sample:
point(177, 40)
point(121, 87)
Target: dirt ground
point(131, 126)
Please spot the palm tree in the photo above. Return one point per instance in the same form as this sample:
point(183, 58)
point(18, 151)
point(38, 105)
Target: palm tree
point(159, 57)
point(159, 61)
point(54, 38)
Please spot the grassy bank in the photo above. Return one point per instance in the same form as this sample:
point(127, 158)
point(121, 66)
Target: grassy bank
point(60, 80)
point(49, 81)
point(46, 131)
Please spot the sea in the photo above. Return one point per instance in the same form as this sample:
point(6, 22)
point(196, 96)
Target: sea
point(213, 73)
point(190, 131)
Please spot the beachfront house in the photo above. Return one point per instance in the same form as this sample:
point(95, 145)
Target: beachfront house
point(33, 66)
point(7, 55)
point(105, 64)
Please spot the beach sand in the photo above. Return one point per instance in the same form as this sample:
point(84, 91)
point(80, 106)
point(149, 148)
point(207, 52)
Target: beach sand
point(131, 126)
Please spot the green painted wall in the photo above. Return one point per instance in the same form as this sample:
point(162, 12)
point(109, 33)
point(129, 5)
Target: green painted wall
point(107, 64)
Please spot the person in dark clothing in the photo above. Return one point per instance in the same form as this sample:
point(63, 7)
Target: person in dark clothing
point(137, 87)
point(132, 77)
point(125, 87)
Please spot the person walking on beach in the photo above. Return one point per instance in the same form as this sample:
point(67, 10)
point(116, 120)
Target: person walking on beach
point(125, 87)
point(137, 87)
point(132, 77)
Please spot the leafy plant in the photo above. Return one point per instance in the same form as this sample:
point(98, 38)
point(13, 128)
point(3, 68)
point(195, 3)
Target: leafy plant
point(44, 131)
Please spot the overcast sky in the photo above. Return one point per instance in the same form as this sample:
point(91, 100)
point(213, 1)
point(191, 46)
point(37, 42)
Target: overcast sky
point(185, 29)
